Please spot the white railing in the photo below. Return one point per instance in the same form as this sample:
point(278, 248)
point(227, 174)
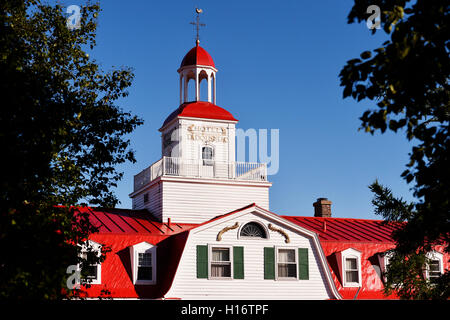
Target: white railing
point(169, 166)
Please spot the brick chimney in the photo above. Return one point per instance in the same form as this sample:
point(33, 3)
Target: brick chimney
point(322, 207)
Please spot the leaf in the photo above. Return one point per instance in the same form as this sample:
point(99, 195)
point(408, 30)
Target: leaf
point(391, 88)
point(366, 55)
point(407, 79)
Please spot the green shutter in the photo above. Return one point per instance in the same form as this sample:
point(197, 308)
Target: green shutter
point(303, 265)
point(202, 261)
point(269, 263)
point(238, 262)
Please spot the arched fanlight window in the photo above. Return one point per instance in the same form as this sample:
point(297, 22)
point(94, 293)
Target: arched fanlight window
point(254, 230)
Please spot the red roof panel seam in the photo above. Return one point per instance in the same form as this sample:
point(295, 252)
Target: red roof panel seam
point(317, 227)
point(357, 241)
point(156, 226)
point(310, 225)
point(120, 217)
point(337, 229)
point(98, 219)
point(378, 230)
point(167, 225)
point(388, 229)
point(352, 232)
point(369, 232)
point(112, 220)
point(132, 218)
point(142, 225)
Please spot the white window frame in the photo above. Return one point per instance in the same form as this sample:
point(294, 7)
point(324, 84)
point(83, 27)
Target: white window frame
point(97, 247)
point(349, 254)
point(142, 247)
point(434, 255)
point(383, 261)
point(217, 246)
point(207, 162)
point(253, 238)
point(277, 248)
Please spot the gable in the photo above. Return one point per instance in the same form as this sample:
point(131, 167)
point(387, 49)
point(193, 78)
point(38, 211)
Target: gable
point(224, 233)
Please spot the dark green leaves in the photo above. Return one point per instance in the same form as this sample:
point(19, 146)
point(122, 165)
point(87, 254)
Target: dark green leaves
point(407, 80)
point(366, 55)
point(62, 135)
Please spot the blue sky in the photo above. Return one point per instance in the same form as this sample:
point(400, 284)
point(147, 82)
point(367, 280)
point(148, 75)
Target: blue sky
point(278, 65)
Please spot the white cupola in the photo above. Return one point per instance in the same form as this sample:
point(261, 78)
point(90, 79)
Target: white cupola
point(197, 65)
point(198, 177)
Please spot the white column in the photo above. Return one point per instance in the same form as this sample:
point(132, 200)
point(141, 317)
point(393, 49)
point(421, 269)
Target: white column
point(214, 89)
point(186, 80)
point(181, 89)
point(197, 85)
point(209, 87)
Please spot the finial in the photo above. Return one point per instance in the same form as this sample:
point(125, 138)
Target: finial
point(198, 24)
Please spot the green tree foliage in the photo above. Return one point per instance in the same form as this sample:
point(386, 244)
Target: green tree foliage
point(61, 135)
point(408, 79)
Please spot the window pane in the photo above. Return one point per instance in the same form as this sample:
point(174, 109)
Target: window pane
point(91, 272)
point(207, 153)
point(350, 264)
point(434, 265)
point(145, 259)
point(287, 270)
point(144, 273)
point(253, 229)
point(352, 276)
point(286, 255)
point(434, 269)
point(221, 270)
point(220, 254)
point(207, 156)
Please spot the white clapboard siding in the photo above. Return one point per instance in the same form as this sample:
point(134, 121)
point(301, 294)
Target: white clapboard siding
point(193, 201)
point(196, 200)
point(154, 203)
point(253, 286)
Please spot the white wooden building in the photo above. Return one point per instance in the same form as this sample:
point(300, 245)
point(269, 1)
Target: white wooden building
point(200, 226)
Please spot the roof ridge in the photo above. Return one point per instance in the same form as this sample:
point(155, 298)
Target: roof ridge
point(337, 218)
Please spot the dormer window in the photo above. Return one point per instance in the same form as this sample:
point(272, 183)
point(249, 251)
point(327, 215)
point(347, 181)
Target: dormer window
point(351, 270)
point(92, 272)
point(145, 266)
point(349, 262)
point(383, 262)
point(434, 268)
point(143, 263)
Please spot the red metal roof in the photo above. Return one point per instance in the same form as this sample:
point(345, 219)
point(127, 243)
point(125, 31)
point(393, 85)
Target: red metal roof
point(200, 109)
point(125, 221)
point(346, 229)
point(370, 237)
point(121, 228)
point(197, 56)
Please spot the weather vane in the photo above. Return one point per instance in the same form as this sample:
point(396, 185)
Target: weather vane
point(198, 24)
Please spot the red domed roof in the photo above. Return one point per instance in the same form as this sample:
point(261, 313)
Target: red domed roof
point(197, 56)
point(200, 109)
